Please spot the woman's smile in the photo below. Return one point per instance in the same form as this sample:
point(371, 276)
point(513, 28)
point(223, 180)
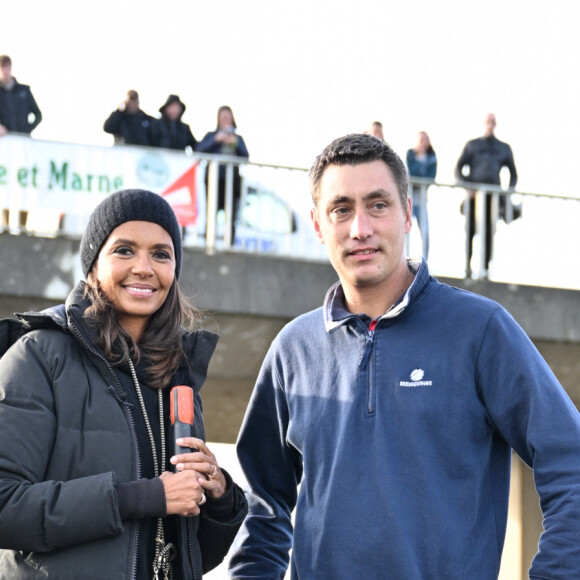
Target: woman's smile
point(135, 269)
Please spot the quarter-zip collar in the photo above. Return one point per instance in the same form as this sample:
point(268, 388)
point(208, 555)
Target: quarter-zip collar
point(335, 313)
point(198, 346)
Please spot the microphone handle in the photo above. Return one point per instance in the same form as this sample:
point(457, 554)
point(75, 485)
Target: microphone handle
point(181, 429)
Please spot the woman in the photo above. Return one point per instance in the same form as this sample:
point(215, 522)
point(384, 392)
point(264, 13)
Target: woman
point(89, 486)
point(225, 141)
point(422, 162)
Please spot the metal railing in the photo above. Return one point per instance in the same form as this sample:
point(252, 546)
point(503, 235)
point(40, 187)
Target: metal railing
point(532, 246)
point(534, 234)
point(270, 214)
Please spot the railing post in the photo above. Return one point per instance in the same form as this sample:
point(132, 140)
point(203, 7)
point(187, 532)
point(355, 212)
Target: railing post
point(212, 202)
point(424, 226)
point(481, 215)
point(468, 239)
point(407, 236)
point(229, 206)
point(508, 210)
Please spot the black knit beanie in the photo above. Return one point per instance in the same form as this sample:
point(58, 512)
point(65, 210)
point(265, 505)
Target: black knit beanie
point(125, 206)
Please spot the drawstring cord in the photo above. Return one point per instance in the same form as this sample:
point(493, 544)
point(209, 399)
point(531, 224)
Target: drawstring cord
point(164, 553)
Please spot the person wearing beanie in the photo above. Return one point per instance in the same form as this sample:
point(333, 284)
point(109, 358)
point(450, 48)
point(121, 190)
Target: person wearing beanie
point(170, 132)
point(91, 475)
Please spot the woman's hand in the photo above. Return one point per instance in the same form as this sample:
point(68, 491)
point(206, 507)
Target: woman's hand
point(183, 493)
point(203, 463)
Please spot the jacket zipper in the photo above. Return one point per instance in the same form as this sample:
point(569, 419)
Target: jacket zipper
point(129, 414)
point(195, 565)
point(367, 361)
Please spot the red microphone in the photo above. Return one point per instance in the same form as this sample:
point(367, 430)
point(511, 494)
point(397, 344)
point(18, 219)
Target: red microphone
point(181, 412)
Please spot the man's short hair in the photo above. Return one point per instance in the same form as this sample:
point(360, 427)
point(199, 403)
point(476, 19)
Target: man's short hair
point(356, 149)
point(5, 59)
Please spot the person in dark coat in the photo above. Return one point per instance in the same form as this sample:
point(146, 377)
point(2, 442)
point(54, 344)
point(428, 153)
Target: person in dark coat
point(170, 131)
point(481, 161)
point(19, 112)
point(129, 124)
point(91, 484)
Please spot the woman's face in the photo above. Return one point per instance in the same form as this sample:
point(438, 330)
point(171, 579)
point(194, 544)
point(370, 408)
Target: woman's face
point(424, 142)
point(225, 119)
point(135, 269)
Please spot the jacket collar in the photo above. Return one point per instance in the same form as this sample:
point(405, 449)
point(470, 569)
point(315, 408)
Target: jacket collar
point(198, 346)
point(335, 313)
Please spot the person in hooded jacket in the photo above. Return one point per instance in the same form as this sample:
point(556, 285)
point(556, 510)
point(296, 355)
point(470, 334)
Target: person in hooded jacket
point(90, 485)
point(170, 132)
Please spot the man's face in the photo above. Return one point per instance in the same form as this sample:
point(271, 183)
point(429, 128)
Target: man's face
point(132, 105)
point(359, 217)
point(5, 73)
point(377, 131)
point(489, 125)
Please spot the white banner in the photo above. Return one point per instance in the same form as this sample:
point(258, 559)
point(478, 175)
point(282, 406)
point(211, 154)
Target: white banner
point(47, 179)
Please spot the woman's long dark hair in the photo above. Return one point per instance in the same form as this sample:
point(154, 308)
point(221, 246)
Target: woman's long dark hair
point(160, 344)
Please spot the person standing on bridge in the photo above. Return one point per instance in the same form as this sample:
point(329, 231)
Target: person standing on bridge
point(129, 124)
point(19, 112)
point(89, 483)
point(225, 140)
point(170, 132)
point(422, 162)
point(377, 442)
point(481, 161)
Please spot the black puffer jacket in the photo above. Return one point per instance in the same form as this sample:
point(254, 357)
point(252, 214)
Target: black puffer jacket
point(67, 435)
point(130, 128)
point(169, 134)
point(16, 105)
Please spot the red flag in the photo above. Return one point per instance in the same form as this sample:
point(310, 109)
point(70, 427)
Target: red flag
point(186, 213)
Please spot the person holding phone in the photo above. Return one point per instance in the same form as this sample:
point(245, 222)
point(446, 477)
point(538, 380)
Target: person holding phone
point(225, 140)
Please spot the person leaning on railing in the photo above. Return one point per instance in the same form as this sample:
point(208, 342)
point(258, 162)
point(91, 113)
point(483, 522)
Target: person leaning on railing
point(484, 158)
point(19, 113)
point(226, 141)
point(422, 162)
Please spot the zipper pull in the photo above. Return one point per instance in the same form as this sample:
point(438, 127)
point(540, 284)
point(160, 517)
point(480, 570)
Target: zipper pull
point(368, 349)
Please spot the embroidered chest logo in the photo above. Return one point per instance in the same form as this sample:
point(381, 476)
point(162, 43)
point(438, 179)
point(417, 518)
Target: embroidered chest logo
point(416, 380)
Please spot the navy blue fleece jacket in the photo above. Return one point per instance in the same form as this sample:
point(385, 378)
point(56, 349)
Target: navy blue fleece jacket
point(401, 440)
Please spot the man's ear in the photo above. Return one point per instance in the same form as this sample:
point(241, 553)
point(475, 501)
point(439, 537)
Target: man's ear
point(409, 215)
point(316, 224)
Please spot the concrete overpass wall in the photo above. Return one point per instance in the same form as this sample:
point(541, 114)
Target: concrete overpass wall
point(248, 298)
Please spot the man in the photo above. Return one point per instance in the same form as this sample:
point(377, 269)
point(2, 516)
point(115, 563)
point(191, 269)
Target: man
point(484, 158)
point(129, 124)
point(395, 407)
point(19, 112)
point(376, 130)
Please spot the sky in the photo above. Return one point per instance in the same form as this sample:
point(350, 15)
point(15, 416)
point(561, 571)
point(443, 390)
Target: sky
point(298, 74)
